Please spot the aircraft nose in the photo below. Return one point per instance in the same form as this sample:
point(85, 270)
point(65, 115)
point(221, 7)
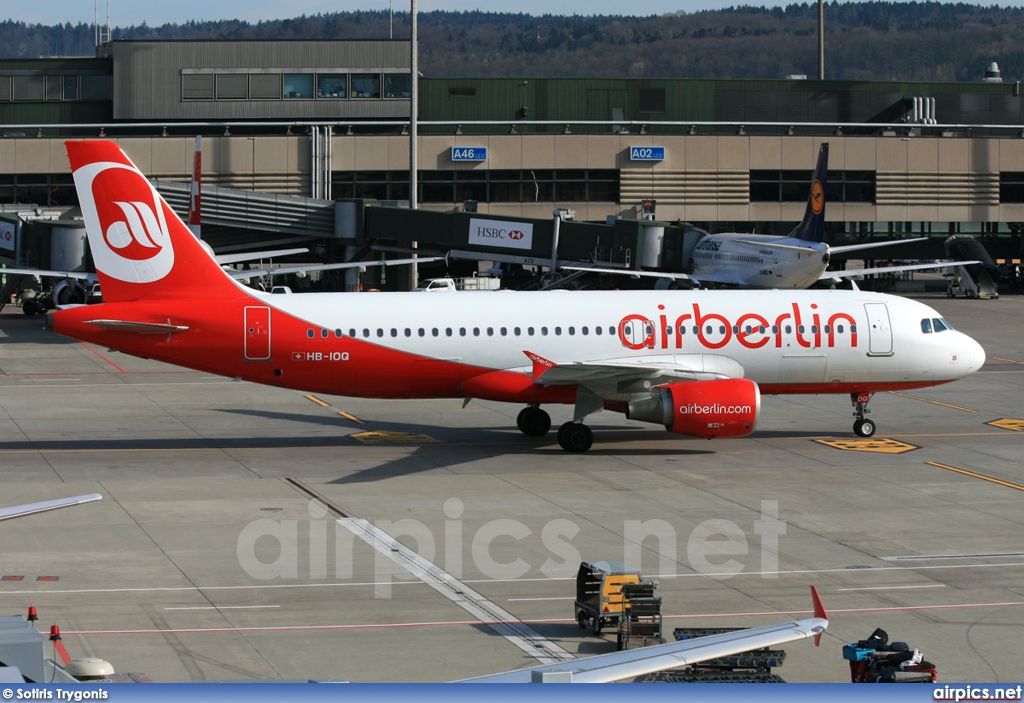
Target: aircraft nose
point(975, 354)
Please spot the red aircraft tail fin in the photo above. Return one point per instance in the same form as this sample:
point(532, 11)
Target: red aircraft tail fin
point(140, 246)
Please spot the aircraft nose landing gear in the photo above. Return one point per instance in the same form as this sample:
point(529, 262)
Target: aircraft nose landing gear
point(862, 427)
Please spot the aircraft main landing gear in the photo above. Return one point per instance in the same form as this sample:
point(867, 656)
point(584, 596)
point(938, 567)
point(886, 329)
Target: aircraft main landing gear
point(862, 427)
point(533, 422)
point(575, 437)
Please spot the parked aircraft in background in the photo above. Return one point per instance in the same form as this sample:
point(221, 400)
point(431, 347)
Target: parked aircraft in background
point(695, 362)
point(797, 260)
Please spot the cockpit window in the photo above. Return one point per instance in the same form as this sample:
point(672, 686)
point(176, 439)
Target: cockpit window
point(941, 324)
point(926, 326)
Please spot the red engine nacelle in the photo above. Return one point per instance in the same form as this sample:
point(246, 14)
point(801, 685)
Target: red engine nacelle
point(726, 408)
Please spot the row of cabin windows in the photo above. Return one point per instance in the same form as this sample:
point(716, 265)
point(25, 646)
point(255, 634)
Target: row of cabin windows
point(557, 331)
point(710, 329)
point(461, 332)
point(720, 256)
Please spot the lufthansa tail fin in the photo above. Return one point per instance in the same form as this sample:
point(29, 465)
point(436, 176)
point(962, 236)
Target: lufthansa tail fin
point(140, 246)
point(812, 227)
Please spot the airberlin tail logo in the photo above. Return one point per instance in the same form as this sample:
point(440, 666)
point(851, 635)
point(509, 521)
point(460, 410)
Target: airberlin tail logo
point(135, 236)
point(126, 222)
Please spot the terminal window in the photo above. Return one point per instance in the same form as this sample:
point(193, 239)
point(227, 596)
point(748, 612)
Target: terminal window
point(365, 85)
point(794, 186)
point(397, 85)
point(332, 85)
point(486, 186)
point(1011, 186)
point(298, 85)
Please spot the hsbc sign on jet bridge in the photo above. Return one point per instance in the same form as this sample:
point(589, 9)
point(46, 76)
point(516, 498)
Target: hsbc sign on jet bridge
point(498, 233)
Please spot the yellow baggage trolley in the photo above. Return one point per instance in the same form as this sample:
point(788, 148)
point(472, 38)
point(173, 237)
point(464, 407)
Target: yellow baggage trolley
point(599, 597)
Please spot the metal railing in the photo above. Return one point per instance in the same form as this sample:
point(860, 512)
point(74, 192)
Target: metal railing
point(488, 127)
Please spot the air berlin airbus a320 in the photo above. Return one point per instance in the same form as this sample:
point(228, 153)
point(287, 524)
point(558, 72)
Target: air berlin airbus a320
point(693, 361)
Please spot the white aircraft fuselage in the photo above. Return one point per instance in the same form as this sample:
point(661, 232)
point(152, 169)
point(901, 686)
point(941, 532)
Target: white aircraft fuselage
point(694, 361)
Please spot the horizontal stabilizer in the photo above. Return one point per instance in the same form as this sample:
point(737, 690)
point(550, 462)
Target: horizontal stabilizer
point(137, 327)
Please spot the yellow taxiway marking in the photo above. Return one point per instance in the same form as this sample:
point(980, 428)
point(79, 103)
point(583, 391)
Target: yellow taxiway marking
point(317, 401)
point(350, 416)
point(1008, 361)
point(383, 437)
point(972, 474)
point(878, 446)
point(933, 402)
point(1008, 423)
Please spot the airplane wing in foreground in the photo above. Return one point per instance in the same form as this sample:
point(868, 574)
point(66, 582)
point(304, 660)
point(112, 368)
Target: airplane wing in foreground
point(14, 511)
point(631, 663)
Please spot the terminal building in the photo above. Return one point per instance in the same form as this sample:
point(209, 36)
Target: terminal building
point(295, 131)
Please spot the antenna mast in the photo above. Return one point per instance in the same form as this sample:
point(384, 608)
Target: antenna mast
point(102, 32)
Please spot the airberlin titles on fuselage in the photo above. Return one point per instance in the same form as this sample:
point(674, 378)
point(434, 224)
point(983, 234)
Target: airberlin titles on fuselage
point(713, 330)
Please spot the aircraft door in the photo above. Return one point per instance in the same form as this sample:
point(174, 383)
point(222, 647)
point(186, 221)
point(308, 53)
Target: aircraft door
point(257, 333)
point(879, 329)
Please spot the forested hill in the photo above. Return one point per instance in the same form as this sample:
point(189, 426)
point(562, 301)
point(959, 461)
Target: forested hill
point(864, 41)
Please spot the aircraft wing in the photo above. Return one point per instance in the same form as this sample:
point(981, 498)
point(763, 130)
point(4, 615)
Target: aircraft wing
point(81, 275)
point(225, 259)
point(281, 270)
point(631, 272)
point(661, 368)
point(698, 280)
point(14, 511)
point(837, 275)
point(872, 245)
point(631, 663)
point(625, 379)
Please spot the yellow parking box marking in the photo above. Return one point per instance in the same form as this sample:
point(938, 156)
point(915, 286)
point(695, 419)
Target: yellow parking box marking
point(353, 418)
point(972, 474)
point(878, 446)
point(383, 437)
point(933, 402)
point(1008, 423)
point(317, 401)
